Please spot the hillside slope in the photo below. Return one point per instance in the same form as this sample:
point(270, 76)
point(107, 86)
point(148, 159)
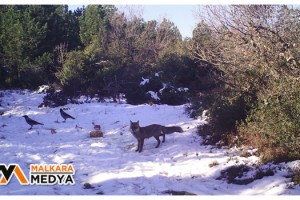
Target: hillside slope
point(110, 164)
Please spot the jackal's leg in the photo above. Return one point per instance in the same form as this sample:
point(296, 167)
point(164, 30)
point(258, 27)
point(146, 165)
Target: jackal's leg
point(158, 141)
point(138, 146)
point(164, 137)
point(141, 145)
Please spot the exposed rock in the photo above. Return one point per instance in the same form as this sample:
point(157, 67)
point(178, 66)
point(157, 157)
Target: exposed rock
point(88, 186)
point(173, 192)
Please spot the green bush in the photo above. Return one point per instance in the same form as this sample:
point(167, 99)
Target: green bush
point(35, 73)
point(135, 94)
point(167, 93)
point(225, 114)
point(173, 96)
point(72, 76)
point(274, 126)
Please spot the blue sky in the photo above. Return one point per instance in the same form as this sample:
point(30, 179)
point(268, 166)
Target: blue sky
point(183, 16)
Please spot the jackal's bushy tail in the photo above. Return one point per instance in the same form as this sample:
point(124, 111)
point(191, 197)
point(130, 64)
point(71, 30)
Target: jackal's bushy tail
point(172, 129)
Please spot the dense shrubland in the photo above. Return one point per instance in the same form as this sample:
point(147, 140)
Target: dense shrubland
point(256, 50)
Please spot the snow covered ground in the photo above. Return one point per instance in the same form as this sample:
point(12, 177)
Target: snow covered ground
point(110, 164)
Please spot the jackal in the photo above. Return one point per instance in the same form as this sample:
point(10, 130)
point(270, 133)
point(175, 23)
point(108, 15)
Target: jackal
point(153, 130)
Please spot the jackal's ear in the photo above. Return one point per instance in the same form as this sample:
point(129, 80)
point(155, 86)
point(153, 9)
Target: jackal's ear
point(130, 122)
point(138, 122)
